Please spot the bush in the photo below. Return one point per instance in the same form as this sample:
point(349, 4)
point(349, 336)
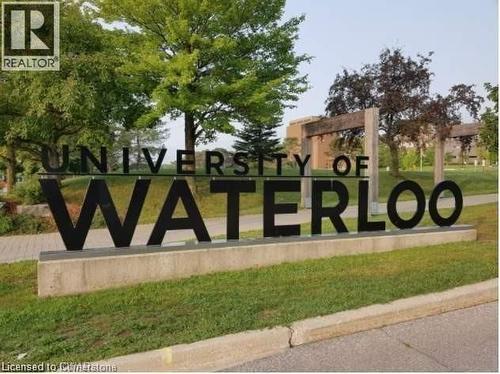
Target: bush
point(98, 221)
point(429, 157)
point(17, 224)
point(6, 223)
point(410, 159)
point(29, 192)
point(384, 156)
point(28, 224)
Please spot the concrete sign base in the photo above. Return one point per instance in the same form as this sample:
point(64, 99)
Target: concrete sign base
point(74, 272)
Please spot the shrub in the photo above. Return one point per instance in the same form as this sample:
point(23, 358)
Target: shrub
point(384, 156)
point(410, 159)
point(28, 224)
point(98, 221)
point(6, 223)
point(429, 156)
point(29, 192)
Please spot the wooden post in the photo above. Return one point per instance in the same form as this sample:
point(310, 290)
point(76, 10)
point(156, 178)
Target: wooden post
point(315, 154)
point(439, 160)
point(306, 183)
point(317, 126)
point(371, 150)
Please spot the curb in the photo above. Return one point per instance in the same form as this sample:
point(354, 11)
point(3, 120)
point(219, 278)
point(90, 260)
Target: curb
point(208, 355)
point(231, 350)
point(402, 310)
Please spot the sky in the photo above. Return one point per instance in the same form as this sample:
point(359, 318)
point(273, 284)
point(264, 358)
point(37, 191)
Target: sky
point(349, 33)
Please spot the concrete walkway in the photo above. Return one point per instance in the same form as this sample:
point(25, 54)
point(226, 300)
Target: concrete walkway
point(462, 340)
point(27, 247)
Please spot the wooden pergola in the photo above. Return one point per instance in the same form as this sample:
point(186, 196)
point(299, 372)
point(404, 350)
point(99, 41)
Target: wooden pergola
point(457, 131)
point(317, 126)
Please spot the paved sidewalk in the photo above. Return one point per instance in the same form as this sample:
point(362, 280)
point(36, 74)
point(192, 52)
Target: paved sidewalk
point(462, 340)
point(26, 247)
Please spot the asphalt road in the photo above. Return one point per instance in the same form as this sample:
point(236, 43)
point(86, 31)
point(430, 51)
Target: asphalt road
point(463, 340)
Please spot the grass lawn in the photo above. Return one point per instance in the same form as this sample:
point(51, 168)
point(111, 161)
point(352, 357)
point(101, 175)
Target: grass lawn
point(471, 181)
point(149, 316)
point(468, 215)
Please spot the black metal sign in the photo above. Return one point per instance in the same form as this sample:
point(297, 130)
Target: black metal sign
point(233, 185)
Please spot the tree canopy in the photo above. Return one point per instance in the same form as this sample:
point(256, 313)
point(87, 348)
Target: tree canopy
point(216, 63)
point(82, 103)
point(79, 102)
point(258, 140)
point(397, 84)
point(445, 111)
point(489, 129)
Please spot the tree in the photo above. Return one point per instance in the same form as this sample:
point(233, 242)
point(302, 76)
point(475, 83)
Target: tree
point(214, 62)
point(444, 112)
point(349, 144)
point(291, 146)
point(409, 159)
point(228, 156)
point(136, 138)
point(398, 85)
point(12, 111)
point(489, 129)
point(256, 139)
point(465, 147)
point(83, 101)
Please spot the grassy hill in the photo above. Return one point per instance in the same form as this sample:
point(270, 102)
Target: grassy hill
point(471, 181)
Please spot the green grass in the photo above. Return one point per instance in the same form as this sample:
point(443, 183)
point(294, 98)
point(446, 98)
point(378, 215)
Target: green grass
point(469, 214)
point(471, 181)
point(149, 316)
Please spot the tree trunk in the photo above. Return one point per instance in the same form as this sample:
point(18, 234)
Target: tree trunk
point(189, 145)
point(11, 167)
point(54, 161)
point(189, 137)
point(394, 150)
point(138, 150)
